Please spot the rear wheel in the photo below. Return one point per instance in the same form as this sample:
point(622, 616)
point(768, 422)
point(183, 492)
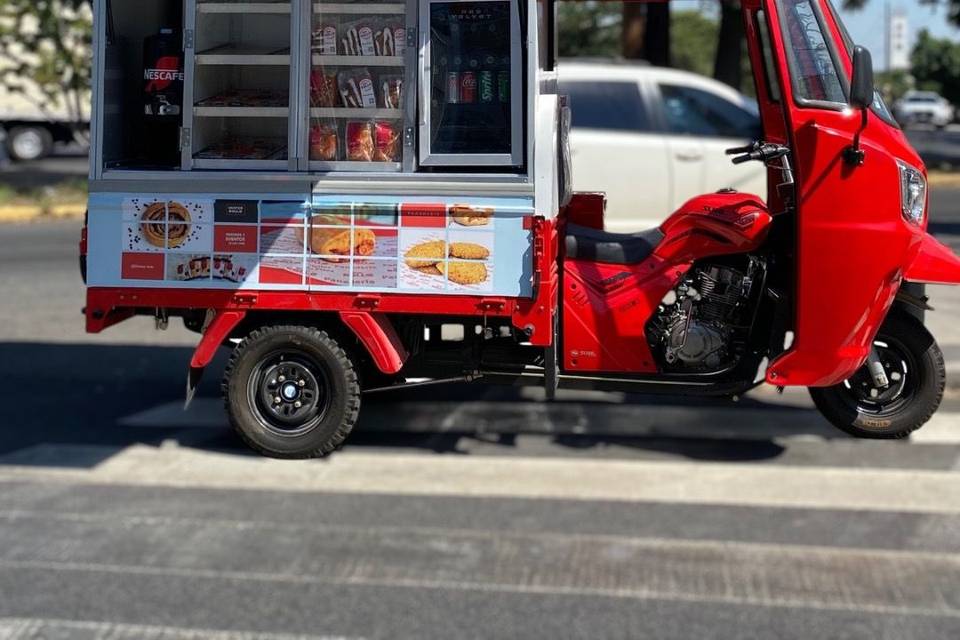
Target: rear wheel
point(914, 367)
point(291, 392)
point(29, 143)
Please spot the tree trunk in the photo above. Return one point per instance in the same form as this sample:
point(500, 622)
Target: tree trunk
point(634, 19)
point(657, 34)
point(728, 67)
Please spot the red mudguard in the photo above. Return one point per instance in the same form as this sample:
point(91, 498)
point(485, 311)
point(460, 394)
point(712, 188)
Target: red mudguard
point(934, 264)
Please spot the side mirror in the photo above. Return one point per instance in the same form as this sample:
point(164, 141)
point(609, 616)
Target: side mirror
point(861, 85)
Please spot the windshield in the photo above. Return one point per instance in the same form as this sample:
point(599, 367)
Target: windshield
point(879, 105)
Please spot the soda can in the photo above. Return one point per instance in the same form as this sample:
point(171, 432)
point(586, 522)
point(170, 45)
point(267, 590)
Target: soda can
point(503, 86)
point(468, 87)
point(487, 88)
point(453, 87)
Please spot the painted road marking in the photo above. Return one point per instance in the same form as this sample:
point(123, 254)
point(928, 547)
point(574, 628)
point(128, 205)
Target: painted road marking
point(513, 477)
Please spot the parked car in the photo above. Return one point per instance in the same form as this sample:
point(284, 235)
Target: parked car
point(652, 138)
point(923, 107)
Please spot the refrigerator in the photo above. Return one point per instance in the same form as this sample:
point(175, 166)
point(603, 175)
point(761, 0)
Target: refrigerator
point(470, 89)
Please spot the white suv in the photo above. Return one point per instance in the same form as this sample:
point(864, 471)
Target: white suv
point(923, 106)
point(653, 138)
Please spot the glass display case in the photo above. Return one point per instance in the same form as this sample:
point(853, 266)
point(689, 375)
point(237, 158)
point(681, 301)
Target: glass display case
point(471, 73)
point(240, 98)
point(360, 71)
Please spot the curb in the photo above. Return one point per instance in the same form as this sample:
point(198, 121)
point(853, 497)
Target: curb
point(943, 179)
point(32, 213)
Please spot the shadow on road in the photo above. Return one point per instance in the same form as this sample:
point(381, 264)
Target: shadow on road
point(102, 399)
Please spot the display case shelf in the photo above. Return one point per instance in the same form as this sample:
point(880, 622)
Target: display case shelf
point(241, 112)
point(348, 165)
point(240, 165)
point(362, 8)
point(344, 112)
point(358, 61)
point(243, 7)
point(230, 55)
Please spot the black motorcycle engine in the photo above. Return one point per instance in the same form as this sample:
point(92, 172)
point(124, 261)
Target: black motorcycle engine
point(702, 325)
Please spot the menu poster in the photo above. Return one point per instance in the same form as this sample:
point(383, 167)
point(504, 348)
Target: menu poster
point(374, 244)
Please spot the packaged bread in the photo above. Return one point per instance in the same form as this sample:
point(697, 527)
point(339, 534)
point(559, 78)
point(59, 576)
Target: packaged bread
point(324, 39)
point(356, 89)
point(360, 141)
point(323, 89)
point(388, 147)
point(323, 142)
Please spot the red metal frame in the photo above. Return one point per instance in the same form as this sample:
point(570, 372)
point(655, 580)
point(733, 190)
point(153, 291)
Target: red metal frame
point(606, 307)
point(935, 264)
point(376, 333)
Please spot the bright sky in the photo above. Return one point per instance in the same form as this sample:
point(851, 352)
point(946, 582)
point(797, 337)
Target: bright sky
point(866, 26)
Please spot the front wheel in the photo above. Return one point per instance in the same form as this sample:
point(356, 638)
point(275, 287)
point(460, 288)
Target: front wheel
point(291, 392)
point(914, 367)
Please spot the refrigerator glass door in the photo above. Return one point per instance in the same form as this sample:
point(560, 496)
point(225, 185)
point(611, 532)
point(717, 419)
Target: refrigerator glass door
point(471, 83)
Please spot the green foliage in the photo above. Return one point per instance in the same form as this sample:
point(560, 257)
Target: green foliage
point(589, 29)
point(893, 84)
point(45, 53)
point(694, 38)
point(936, 65)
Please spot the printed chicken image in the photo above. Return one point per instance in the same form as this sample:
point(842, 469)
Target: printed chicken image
point(435, 257)
point(468, 216)
point(466, 273)
point(330, 241)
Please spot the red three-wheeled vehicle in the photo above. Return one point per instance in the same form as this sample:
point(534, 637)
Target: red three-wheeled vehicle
point(417, 227)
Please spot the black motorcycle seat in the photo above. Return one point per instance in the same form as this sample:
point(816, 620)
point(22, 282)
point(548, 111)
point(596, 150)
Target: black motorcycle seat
point(584, 243)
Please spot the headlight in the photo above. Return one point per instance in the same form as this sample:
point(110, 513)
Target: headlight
point(913, 194)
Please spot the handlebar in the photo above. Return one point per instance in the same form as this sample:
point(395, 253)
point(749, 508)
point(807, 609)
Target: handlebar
point(759, 151)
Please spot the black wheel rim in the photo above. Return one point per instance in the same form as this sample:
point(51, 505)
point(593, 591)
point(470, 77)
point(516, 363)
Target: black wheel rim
point(289, 392)
point(900, 366)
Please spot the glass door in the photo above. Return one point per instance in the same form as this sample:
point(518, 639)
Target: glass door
point(471, 83)
point(360, 71)
point(240, 99)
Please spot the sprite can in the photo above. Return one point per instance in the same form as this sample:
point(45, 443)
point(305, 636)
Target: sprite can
point(487, 88)
point(503, 86)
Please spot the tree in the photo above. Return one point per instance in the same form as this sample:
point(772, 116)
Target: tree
point(936, 65)
point(590, 29)
point(45, 52)
point(691, 30)
point(728, 65)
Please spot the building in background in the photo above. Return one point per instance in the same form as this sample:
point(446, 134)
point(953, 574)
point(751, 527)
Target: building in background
point(898, 40)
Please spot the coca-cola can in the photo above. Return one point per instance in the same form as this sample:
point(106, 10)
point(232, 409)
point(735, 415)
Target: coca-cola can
point(468, 87)
point(453, 87)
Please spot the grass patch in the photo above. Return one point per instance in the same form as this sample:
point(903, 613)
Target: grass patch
point(68, 192)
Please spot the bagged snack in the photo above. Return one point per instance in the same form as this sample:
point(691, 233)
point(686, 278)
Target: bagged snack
point(400, 40)
point(357, 38)
point(360, 141)
point(323, 142)
point(387, 142)
point(356, 89)
point(385, 41)
point(323, 89)
point(391, 91)
point(324, 39)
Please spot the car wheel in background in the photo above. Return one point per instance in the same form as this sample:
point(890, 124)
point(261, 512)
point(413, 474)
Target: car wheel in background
point(29, 143)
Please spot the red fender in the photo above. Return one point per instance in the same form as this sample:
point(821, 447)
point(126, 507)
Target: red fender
point(218, 331)
point(934, 264)
point(377, 334)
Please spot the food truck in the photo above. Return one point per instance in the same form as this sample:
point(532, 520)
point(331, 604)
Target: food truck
point(359, 196)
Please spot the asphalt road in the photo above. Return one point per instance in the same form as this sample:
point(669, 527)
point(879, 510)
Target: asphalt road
point(458, 512)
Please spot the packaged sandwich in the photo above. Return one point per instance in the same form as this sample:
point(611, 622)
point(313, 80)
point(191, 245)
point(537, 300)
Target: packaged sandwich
point(323, 142)
point(360, 141)
point(323, 89)
point(324, 39)
point(391, 91)
point(357, 38)
point(356, 89)
point(388, 145)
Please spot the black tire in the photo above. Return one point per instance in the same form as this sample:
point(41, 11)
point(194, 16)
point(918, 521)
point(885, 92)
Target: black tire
point(917, 373)
point(312, 377)
point(29, 143)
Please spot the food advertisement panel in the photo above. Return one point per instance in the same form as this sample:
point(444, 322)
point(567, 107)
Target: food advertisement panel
point(466, 246)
